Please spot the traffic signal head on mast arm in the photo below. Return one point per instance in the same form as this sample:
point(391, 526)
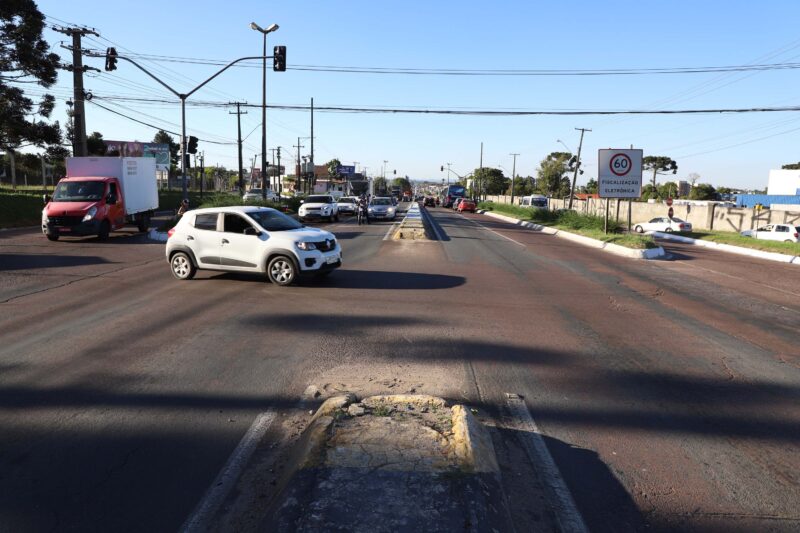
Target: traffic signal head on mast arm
point(111, 59)
point(192, 147)
point(279, 59)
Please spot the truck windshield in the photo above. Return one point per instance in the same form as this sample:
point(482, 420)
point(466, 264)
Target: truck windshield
point(272, 220)
point(79, 191)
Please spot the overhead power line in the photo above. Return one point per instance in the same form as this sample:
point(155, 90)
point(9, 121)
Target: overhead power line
point(481, 72)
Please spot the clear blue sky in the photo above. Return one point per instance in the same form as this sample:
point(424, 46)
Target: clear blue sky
point(463, 35)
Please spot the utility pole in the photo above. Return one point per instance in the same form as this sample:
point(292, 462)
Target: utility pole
point(577, 166)
point(79, 114)
point(313, 168)
point(273, 154)
point(279, 165)
point(203, 170)
point(239, 114)
point(299, 169)
point(480, 181)
point(513, 174)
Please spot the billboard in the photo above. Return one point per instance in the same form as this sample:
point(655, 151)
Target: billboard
point(137, 149)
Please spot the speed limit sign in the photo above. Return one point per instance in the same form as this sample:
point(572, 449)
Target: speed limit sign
point(619, 173)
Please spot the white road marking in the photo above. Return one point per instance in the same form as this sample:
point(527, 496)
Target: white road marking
point(567, 514)
point(478, 224)
point(201, 517)
point(389, 232)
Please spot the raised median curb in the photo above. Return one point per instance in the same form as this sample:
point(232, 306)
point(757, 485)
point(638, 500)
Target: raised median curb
point(730, 248)
point(412, 227)
point(649, 253)
point(403, 462)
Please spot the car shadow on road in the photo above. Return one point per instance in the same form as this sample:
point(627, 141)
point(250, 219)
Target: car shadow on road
point(375, 279)
point(34, 261)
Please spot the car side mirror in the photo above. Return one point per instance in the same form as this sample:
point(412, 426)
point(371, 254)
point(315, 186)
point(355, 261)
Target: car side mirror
point(46, 199)
point(252, 231)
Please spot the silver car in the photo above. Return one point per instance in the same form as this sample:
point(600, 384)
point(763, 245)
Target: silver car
point(254, 195)
point(381, 208)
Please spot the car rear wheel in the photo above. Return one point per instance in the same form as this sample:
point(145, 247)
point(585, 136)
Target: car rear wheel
point(182, 266)
point(787, 240)
point(281, 270)
point(638, 229)
point(668, 230)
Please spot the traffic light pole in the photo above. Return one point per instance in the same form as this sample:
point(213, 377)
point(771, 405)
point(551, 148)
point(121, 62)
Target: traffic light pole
point(183, 98)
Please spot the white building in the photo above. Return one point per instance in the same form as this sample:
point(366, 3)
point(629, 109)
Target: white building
point(784, 182)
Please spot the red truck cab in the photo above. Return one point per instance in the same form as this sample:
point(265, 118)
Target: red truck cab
point(84, 206)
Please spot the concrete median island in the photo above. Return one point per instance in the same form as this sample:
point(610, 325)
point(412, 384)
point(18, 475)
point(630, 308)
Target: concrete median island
point(389, 463)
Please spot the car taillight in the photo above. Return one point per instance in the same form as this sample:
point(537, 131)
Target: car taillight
point(170, 233)
point(796, 234)
point(682, 226)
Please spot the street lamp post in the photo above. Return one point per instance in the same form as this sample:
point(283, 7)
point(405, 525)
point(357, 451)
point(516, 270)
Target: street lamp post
point(264, 32)
point(513, 174)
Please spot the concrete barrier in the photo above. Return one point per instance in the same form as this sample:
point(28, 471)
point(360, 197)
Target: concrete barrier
point(740, 250)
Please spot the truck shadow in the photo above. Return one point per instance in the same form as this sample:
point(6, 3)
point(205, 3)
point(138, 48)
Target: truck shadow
point(34, 261)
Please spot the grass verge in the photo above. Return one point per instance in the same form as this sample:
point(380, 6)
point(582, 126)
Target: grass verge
point(729, 237)
point(20, 210)
point(586, 225)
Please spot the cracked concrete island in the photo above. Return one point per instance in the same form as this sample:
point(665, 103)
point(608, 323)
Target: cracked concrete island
point(388, 463)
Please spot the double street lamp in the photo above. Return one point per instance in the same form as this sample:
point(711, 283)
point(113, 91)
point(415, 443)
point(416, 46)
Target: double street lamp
point(264, 32)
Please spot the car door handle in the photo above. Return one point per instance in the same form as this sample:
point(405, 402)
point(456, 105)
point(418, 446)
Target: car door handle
point(225, 241)
point(189, 238)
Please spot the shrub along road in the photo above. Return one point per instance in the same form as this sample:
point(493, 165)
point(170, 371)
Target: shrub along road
point(667, 391)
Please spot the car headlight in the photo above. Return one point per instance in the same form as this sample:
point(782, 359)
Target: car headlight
point(90, 214)
point(390, 210)
point(306, 246)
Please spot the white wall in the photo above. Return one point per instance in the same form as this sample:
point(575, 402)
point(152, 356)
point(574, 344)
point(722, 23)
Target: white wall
point(783, 182)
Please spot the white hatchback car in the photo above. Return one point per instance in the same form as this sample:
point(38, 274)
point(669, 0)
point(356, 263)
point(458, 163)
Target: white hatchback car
point(250, 239)
point(775, 232)
point(665, 224)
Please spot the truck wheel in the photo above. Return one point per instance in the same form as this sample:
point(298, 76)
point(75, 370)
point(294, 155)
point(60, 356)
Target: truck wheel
point(105, 229)
point(52, 236)
point(182, 266)
point(144, 223)
point(336, 217)
point(281, 270)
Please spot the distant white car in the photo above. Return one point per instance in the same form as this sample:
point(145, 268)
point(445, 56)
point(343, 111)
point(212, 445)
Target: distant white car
point(319, 206)
point(774, 232)
point(256, 195)
point(664, 224)
point(347, 204)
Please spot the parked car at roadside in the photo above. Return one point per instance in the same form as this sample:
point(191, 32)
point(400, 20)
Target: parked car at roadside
point(429, 201)
point(664, 224)
point(250, 239)
point(347, 204)
point(319, 206)
point(467, 204)
point(381, 208)
point(775, 232)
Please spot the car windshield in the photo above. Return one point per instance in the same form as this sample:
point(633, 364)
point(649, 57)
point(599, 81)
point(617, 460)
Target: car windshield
point(347, 200)
point(272, 220)
point(79, 191)
point(381, 201)
point(318, 200)
point(254, 191)
point(675, 219)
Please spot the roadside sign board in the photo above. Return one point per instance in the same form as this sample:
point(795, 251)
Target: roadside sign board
point(345, 169)
point(619, 173)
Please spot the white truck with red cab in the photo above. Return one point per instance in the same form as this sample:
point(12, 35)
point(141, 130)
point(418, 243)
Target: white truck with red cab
point(101, 194)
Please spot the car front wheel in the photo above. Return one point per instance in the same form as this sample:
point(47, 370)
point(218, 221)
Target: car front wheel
point(281, 270)
point(182, 266)
point(638, 229)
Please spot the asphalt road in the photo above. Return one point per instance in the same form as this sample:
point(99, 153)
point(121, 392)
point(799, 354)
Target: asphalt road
point(667, 391)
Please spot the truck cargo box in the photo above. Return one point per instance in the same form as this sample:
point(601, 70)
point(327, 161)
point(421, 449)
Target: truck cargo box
point(137, 176)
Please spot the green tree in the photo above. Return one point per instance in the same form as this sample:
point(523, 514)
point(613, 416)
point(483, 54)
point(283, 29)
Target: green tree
point(649, 192)
point(379, 185)
point(703, 191)
point(25, 59)
point(591, 186)
point(791, 166)
point(403, 182)
point(491, 180)
point(332, 167)
point(552, 173)
point(668, 189)
point(659, 164)
point(95, 145)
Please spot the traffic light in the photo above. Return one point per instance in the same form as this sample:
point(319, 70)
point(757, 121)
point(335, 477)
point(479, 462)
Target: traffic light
point(395, 172)
point(279, 59)
point(441, 169)
point(192, 148)
point(111, 59)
